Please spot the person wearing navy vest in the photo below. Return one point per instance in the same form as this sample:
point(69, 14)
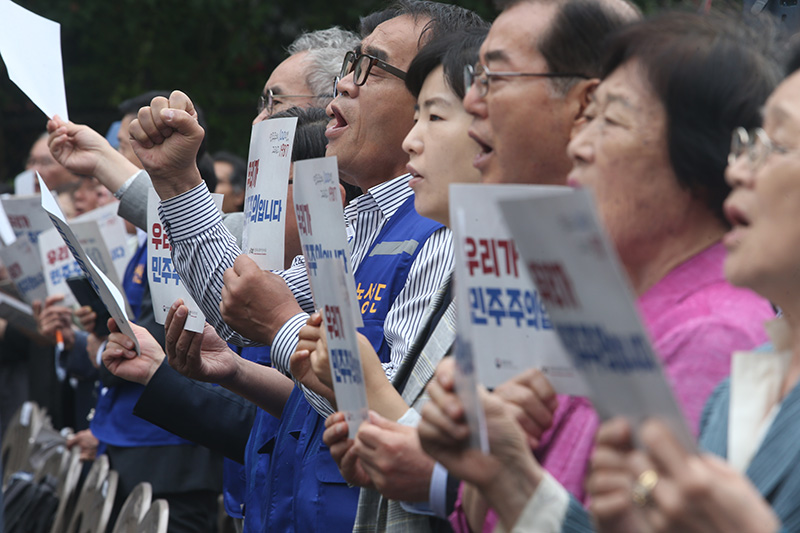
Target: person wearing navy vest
point(371, 116)
point(305, 491)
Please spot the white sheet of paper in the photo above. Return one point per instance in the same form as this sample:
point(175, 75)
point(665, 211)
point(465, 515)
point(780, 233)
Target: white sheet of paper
point(58, 264)
point(109, 294)
point(26, 216)
point(25, 269)
point(91, 239)
point(269, 161)
point(320, 221)
point(466, 377)
point(165, 282)
point(17, 313)
point(335, 301)
point(114, 234)
point(591, 304)
point(7, 234)
point(24, 183)
point(509, 329)
point(31, 49)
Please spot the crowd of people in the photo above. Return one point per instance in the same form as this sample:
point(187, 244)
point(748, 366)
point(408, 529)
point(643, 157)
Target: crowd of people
point(685, 127)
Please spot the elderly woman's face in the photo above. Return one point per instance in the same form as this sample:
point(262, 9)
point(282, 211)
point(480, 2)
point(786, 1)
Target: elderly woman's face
point(620, 152)
point(764, 206)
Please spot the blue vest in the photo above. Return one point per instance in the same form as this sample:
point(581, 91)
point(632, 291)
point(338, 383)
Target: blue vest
point(114, 422)
point(234, 478)
point(304, 490)
point(135, 279)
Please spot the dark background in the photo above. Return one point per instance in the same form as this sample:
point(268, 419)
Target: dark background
point(220, 52)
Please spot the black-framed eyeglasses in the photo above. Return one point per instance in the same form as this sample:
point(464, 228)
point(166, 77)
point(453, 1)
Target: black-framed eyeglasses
point(268, 99)
point(361, 65)
point(482, 75)
point(755, 143)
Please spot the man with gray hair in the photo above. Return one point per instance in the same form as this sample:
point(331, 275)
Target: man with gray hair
point(305, 78)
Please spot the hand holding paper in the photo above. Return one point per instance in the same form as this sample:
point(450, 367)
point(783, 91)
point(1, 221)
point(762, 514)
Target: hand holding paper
point(341, 446)
point(120, 359)
point(692, 494)
point(310, 355)
point(166, 137)
point(204, 357)
point(392, 456)
point(445, 434)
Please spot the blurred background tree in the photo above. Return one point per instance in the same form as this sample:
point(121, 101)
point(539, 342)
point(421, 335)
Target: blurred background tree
point(220, 52)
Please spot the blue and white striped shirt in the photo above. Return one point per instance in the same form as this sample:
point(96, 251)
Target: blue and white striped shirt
point(203, 249)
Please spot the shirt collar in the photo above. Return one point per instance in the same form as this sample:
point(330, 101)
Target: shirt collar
point(387, 197)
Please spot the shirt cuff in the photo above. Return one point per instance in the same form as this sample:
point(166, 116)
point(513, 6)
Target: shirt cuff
point(545, 511)
point(99, 355)
point(124, 187)
point(437, 485)
point(410, 418)
point(189, 214)
point(437, 495)
point(285, 342)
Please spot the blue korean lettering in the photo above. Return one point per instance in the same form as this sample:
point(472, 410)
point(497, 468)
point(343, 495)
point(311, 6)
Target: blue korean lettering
point(477, 306)
point(496, 309)
point(593, 346)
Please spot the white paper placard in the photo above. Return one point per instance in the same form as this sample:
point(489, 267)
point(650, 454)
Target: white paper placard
point(22, 261)
point(320, 221)
point(26, 216)
point(509, 329)
point(109, 294)
point(591, 304)
point(269, 161)
point(94, 245)
point(335, 302)
point(25, 183)
point(17, 313)
point(165, 282)
point(115, 236)
point(7, 234)
point(58, 264)
point(31, 49)
point(466, 377)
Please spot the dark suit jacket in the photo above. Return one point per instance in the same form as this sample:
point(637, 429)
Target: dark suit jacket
point(200, 412)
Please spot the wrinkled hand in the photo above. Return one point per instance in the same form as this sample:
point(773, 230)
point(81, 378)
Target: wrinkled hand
point(444, 433)
point(256, 303)
point(610, 481)
point(532, 400)
point(51, 317)
point(697, 493)
point(86, 442)
point(392, 456)
point(301, 363)
point(341, 447)
point(120, 357)
point(204, 357)
point(79, 148)
point(166, 137)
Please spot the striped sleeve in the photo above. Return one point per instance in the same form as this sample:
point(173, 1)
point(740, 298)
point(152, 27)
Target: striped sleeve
point(428, 272)
point(203, 249)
